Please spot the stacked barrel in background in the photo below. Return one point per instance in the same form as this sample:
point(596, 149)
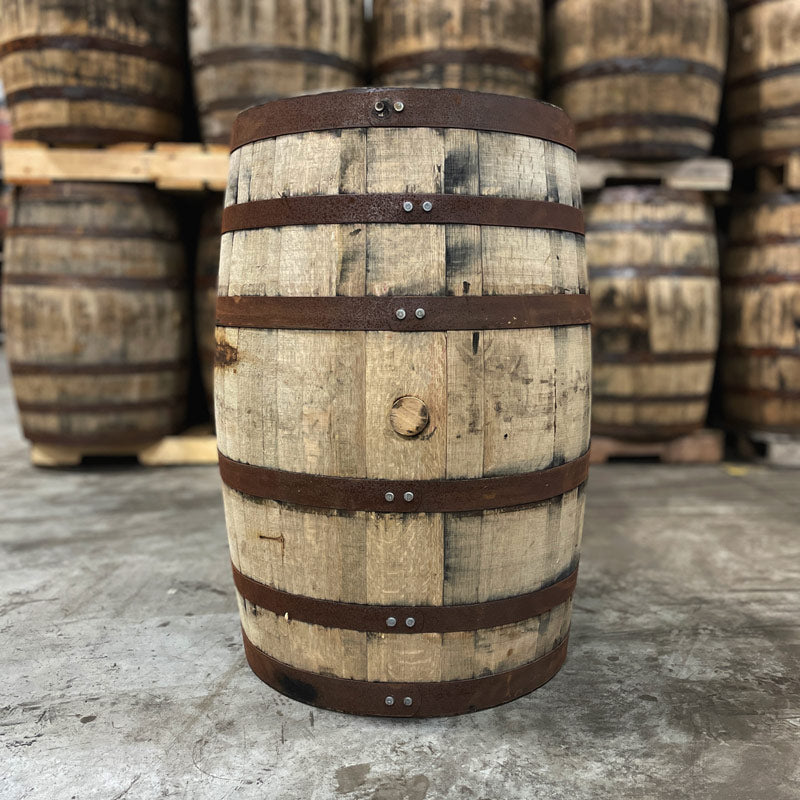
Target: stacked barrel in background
point(5, 135)
point(480, 45)
point(243, 54)
point(95, 300)
point(643, 80)
point(761, 278)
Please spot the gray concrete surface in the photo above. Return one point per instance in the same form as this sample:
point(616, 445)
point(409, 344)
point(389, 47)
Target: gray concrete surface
point(122, 675)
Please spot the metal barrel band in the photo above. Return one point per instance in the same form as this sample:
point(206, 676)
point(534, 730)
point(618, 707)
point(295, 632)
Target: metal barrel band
point(644, 119)
point(639, 399)
point(405, 313)
point(82, 134)
point(99, 93)
point(405, 619)
point(76, 43)
point(644, 150)
point(633, 270)
point(404, 108)
point(745, 351)
point(414, 209)
point(764, 75)
point(770, 394)
point(385, 699)
point(80, 232)
point(96, 282)
point(140, 437)
point(644, 432)
point(650, 226)
point(57, 407)
point(19, 368)
point(483, 56)
point(766, 115)
point(647, 357)
point(640, 65)
point(399, 496)
point(251, 52)
point(765, 278)
point(765, 240)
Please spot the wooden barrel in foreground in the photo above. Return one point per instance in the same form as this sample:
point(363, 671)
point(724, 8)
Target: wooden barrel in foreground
point(248, 53)
point(95, 309)
point(640, 78)
point(654, 276)
point(761, 316)
point(205, 289)
point(402, 396)
point(83, 72)
point(481, 45)
point(763, 88)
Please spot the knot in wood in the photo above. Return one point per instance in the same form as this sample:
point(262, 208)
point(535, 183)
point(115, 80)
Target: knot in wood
point(409, 416)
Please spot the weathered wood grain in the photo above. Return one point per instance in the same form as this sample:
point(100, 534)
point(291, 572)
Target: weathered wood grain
point(499, 402)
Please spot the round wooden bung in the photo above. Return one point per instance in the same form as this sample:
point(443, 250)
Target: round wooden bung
point(409, 416)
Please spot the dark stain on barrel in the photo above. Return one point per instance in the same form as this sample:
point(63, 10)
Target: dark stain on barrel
point(226, 355)
point(297, 690)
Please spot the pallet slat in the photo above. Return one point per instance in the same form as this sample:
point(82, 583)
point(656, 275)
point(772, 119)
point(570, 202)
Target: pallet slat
point(168, 165)
point(700, 447)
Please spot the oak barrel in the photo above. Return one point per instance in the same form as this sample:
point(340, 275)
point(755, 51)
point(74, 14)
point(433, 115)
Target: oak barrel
point(761, 316)
point(640, 78)
point(95, 309)
point(248, 53)
point(402, 395)
point(654, 277)
point(87, 72)
point(763, 87)
point(205, 288)
point(481, 45)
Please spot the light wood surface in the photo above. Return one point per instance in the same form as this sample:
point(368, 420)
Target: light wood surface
point(761, 383)
point(655, 296)
point(763, 90)
point(425, 31)
point(88, 317)
point(625, 108)
point(87, 94)
point(499, 402)
point(230, 74)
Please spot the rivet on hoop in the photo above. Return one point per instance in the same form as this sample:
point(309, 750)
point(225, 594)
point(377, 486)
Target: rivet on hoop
point(408, 206)
point(410, 622)
point(391, 622)
point(389, 496)
point(427, 205)
point(380, 106)
point(389, 701)
point(400, 313)
point(399, 106)
point(419, 313)
point(407, 701)
point(408, 497)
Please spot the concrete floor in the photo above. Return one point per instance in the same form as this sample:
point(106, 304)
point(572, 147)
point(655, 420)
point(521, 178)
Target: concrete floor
point(122, 674)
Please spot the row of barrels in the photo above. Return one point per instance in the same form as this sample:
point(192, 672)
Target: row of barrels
point(640, 78)
point(96, 306)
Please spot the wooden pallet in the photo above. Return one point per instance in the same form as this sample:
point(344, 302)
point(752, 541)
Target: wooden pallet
point(772, 449)
point(782, 177)
point(194, 446)
point(702, 174)
point(169, 165)
point(700, 447)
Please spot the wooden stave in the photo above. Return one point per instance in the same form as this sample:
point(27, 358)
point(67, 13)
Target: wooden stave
point(130, 81)
point(85, 390)
point(640, 393)
point(235, 502)
point(760, 354)
point(261, 78)
point(675, 108)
